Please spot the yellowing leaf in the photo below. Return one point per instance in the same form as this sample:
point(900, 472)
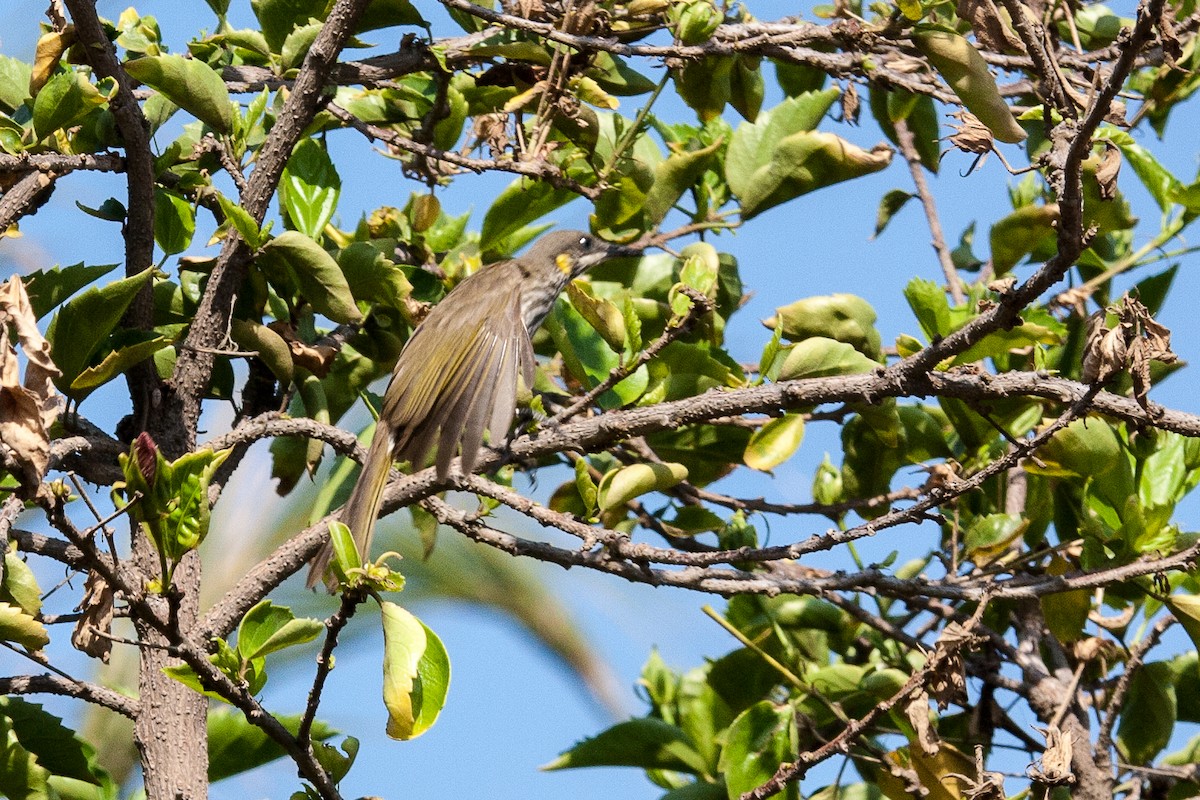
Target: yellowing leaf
point(21, 628)
point(1186, 608)
point(959, 62)
point(819, 356)
point(775, 442)
point(416, 673)
point(622, 485)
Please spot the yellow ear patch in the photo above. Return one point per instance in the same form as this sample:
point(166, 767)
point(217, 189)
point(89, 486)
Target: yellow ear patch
point(563, 262)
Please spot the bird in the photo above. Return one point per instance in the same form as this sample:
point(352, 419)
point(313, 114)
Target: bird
point(460, 371)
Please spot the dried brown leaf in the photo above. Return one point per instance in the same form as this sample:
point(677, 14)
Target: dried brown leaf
point(1139, 370)
point(850, 104)
point(317, 359)
point(50, 48)
point(1106, 173)
point(1104, 350)
point(491, 131)
point(1054, 767)
point(971, 135)
point(97, 608)
point(917, 711)
point(991, 28)
point(28, 408)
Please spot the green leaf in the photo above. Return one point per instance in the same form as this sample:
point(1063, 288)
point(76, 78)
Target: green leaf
point(675, 175)
point(601, 314)
point(706, 85)
point(844, 317)
point(703, 714)
point(620, 486)
point(268, 628)
point(316, 273)
point(297, 44)
point(888, 106)
point(22, 628)
point(21, 776)
point(819, 356)
point(775, 442)
point(758, 741)
point(241, 220)
point(118, 361)
point(746, 87)
point(990, 536)
point(1186, 608)
point(188, 83)
point(1148, 716)
point(174, 221)
point(111, 210)
point(373, 276)
point(14, 83)
point(63, 102)
point(85, 323)
point(388, 13)
point(930, 306)
point(1020, 233)
point(49, 287)
point(753, 142)
point(278, 17)
point(521, 202)
point(585, 486)
point(589, 359)
point(889, 205)
point(345, 552)
point(959, 62)
point(1162, 185)
point(416, 673)
point(646, 743)
point(614, 76)
point(20, 587)
point(269, 345)
point(56, 747)
point(235, 746)
point(802, 162)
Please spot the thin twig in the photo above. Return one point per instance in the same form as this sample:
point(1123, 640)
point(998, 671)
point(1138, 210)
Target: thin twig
point(542, 170)
point(908, 148)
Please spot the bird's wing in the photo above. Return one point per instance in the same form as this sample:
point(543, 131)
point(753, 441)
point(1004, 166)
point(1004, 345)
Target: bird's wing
point(457, 378)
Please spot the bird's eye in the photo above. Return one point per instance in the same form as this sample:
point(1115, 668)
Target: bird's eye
point(585, 242)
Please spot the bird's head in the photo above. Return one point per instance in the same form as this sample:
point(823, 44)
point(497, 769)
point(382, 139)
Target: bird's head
point(572, 253)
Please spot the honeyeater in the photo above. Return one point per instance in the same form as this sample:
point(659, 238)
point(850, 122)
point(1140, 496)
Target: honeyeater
point(458, 375)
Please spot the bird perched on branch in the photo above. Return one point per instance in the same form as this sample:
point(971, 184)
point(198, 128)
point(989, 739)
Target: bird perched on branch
point(458, 375)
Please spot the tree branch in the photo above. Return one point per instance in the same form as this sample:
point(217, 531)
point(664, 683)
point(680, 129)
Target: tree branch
point(56, 684)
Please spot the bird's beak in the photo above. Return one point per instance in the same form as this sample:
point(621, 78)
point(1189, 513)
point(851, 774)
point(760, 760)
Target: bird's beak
point(624, 251)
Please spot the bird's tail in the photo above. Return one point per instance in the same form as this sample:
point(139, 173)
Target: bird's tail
point(362, 508)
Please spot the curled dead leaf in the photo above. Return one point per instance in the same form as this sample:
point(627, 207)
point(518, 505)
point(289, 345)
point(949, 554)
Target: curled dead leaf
point(941, 476)
point(917, 712)
point(948, 681)
point(50, 48)
point(991, 27)
point(317, 359)
point(491, 131)
point(27, 408)
point(1054, 767)
point(97, 608)
point(1104, 350)
point(850, 104)
point(970, 135)
point(983, 785)
point(1106, 173)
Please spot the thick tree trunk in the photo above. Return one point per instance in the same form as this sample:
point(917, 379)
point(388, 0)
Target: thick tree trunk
point(170, 729)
